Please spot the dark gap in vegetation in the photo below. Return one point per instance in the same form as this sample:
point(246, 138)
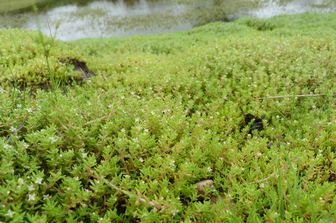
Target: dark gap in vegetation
point(121, 204)
point(23, 85)
point(103, 204)
point(253, 123)
point(79, 65)
point(332, 176)
point(185, 200)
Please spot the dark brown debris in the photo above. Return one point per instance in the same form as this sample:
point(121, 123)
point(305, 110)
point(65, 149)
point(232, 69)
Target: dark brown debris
point(332, 177)
point(254, 123)
point(79, 65)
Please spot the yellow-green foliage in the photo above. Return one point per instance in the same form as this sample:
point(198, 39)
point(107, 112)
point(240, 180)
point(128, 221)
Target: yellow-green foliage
point(166, 112)
point(30, 60)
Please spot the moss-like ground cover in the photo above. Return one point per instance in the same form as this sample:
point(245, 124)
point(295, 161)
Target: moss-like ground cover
point(166, 112)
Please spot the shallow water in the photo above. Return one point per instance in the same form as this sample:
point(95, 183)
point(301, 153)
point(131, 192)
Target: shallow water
point(105, 18)
point(120, 18)
point(273, 8)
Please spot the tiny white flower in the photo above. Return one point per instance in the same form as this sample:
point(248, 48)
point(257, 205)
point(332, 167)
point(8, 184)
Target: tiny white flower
point(172, 163)
point(84, 155)
point(19, 106)
point(53, 139)
point(6, 146)
point(12, 129)
point(209, 169)
point(141, 159)
point(2, 90)
point(21, 181)
point(31, 197)
point(45, 197)
point(175, 211)
point(39, 180)
point(10, 213)
point(25, 145)
point(29, 110)
point(31, 187)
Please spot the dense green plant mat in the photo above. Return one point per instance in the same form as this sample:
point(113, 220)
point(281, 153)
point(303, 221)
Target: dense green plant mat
point(27, 60)
point(163, 114)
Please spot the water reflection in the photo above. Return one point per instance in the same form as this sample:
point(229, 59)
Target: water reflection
point(111, 18)
point(273, 8)
point(119, 18)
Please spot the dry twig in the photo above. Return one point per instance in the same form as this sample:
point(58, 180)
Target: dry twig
point(294, 96)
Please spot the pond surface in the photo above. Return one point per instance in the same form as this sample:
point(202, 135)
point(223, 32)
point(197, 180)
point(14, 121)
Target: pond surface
point(70, 20)
point(273, 8)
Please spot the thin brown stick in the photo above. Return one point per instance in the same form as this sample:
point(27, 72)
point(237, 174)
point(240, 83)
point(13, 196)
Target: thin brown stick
point(294, 96)
point(140, 199)
point(266, 179)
